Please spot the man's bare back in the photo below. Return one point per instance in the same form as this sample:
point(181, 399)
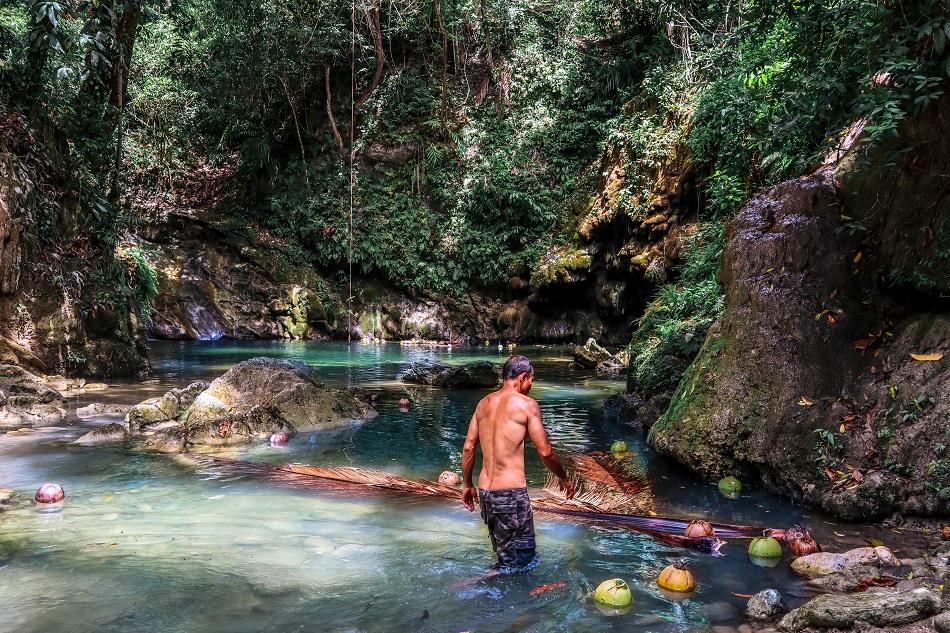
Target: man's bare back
point(499, 425)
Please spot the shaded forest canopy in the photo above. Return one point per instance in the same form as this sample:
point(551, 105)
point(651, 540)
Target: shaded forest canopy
point(482, 133)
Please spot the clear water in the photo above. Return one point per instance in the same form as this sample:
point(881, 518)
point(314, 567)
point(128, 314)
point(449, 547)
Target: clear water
point(147, 543)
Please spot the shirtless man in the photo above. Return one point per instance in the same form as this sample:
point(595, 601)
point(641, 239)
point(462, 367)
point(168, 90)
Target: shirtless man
point(500, 423)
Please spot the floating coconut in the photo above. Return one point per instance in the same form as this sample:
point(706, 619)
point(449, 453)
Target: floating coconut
point(803, 546)
point(278, 439)
point(50, 493)
point(404, 403)
point(448, 478)
point(765, 547)
point(676, 577)
point(699, 529)
point(730, 487)
point(614, 593)
point(618, 447)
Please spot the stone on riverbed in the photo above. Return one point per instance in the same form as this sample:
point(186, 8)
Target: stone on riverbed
point(765, 605)
point(257, 397)
point(824, 563)
point(104, 434)
point(100, 409)
point(471, 375)
point(881, 608)
point(163, 408)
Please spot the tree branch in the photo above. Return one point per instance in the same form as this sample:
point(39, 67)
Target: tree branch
point(336, 130)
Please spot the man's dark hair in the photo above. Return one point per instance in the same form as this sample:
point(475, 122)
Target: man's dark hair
point(515, 366)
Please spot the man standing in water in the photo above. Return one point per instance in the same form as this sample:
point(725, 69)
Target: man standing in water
point(500, 423)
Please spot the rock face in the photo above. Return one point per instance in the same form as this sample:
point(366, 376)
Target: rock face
point(810, 363)
point(481, 374)
point(255, 398)
point(878, 608)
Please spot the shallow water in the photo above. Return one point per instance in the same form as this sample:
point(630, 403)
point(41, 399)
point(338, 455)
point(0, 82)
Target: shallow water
point(144, 542)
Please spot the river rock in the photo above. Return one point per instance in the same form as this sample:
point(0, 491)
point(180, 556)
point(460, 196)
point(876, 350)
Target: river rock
point(942, 622)
point(765, 605)
point(104, 434)
point(623, 408)
point(480, 374)
point(721, 612)
point(96, 409)
point(823, 563)
point(590, 355)
point(268, 395)
point(28, 399)
point(152, 411)
point(881, 608)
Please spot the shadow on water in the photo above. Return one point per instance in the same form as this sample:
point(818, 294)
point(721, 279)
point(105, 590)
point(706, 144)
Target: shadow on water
point(145, 543)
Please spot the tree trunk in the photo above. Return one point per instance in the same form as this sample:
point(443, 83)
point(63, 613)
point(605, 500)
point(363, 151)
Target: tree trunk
point(372, 20)
point(336, 130)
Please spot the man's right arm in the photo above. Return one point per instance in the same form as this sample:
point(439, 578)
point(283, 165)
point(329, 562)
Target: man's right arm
point(469, 495)
point(546, 452)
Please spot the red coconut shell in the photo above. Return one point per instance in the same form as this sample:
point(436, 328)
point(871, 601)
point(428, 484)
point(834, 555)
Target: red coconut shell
point(50, 493)
point(803, 546)
point(699, 529)
point(278, 439)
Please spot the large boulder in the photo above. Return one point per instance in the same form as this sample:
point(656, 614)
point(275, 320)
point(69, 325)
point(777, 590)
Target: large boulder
point(254, 398)
point(807, 382)
point(163, 408)
point(27, 399)
point(480, 374)
point(883, 608)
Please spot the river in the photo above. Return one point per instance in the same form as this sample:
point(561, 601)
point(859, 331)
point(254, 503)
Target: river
point(145, 542)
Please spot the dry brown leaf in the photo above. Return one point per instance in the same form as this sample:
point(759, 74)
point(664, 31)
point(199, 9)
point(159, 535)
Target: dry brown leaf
point(806, 401)
point(862, 343)
point(935, 356)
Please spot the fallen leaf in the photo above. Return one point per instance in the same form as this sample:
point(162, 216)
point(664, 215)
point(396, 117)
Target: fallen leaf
point(831, 475)
point(862, 343)
point(839, 534)
point(742, 595)
point(542, 588)
point(842, 428)
point(831, 319)
point(857, 257)
point(927, 357)
point(876, 542)
point(806, 401)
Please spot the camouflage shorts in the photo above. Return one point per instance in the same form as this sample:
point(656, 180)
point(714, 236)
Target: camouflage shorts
point(510, 521)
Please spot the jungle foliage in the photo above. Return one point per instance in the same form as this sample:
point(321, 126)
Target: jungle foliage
point(474, 127)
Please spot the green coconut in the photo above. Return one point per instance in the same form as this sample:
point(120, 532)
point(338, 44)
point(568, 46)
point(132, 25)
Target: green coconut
point(618, 447)
point(765, 547)
point(613, 593)
point(730, 487)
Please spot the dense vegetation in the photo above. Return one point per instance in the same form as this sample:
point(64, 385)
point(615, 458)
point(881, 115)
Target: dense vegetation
point(477, 125)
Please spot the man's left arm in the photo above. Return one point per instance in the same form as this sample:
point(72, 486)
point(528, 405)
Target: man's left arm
point(469, 496)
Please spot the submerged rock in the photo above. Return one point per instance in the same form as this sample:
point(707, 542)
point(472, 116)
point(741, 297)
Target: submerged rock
point(823, 563)
point(882, 608)
point(623, 408)
point(472, 375)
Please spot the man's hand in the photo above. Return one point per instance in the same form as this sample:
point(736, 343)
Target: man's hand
point(469, 497)
point(567, 485)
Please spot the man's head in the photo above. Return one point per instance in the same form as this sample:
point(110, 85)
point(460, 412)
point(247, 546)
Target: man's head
point(519, 372)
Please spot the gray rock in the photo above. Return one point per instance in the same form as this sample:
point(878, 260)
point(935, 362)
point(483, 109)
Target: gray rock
point(590, 355)
point(877, 608)
point(721, 612)
point(480, 374)
point(104, 434)
point(99, 408)
point(623, 408)
point(823, 563)
point(942, 622)
point(264, 395)
point(152, 411)
point(765, 605)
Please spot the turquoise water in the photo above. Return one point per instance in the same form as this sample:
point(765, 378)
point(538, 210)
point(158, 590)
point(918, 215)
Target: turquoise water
point(145, 542)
